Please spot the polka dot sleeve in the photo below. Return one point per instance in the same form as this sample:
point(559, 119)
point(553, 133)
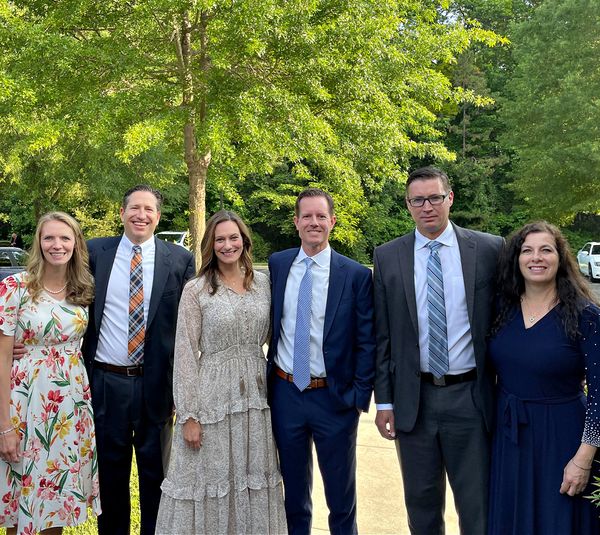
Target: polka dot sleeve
point(590, 346)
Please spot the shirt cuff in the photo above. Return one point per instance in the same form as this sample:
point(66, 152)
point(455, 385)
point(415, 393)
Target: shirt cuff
point(384, 406)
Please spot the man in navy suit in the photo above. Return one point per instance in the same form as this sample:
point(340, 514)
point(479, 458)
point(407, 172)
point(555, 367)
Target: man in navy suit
point(320, 364)
point(133, 400)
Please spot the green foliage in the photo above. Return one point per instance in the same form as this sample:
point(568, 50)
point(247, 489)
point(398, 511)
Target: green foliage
point(96, 96)
point(551, 109)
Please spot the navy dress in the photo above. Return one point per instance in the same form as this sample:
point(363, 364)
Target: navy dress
point(542, 416)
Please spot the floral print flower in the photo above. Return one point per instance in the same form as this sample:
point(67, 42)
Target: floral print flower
point(63, 426)
point(80, 321)
point(47, 489)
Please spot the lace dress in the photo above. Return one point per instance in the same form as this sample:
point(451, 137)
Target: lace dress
point(57, 477)
point(232, 484)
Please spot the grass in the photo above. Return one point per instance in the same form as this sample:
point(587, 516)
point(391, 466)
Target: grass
point(90, 527)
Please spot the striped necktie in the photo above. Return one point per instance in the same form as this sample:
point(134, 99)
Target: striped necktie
point(301, 370)
point(436, 308)
point(137, 329)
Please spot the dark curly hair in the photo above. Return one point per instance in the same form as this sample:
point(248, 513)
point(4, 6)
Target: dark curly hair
point(571, 289)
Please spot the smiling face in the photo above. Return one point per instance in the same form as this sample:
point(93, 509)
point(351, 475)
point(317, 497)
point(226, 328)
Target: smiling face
point(538, 259)
point(431, 220)
point(314, 224)
point(140, 216)
point(228, 244)
point(57, 242)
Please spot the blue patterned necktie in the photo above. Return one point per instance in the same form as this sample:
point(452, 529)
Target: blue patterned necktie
point(301, 370)
point(137, 329)
point(436, 309)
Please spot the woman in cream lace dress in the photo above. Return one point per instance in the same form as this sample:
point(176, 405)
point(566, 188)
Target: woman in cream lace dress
point(224, 475)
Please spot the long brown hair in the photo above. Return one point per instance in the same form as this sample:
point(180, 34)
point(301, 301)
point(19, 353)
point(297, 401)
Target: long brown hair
point(571, 289)
point(80, 283)
point(210, 266)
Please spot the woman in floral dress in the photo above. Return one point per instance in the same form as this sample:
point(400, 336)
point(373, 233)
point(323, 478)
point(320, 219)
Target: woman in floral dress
point(48, 469)
point(224, 475)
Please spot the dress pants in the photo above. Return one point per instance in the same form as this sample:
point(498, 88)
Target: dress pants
point(122, 425)
point(450, 438)
point(299, 419)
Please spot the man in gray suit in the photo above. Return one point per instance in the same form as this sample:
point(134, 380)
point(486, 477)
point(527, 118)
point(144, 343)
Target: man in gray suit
point(433, 387)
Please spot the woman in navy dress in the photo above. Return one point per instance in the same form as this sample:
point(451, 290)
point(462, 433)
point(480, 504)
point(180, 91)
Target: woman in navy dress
point(545, 346)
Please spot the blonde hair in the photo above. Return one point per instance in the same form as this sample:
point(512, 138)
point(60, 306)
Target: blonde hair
point(80, 283)
point(210, 266)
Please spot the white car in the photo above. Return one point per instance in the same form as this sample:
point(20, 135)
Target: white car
point(179, 237)
point(588, 259)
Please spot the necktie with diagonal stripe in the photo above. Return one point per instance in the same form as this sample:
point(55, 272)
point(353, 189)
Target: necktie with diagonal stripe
point(301, 370)
point(436, 308)
point(137, 329)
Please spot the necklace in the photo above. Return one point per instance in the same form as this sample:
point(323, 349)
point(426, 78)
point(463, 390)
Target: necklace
point(56, 291)
point(531, 315)
point(233, 283)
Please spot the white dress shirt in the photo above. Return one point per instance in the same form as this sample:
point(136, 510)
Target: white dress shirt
point(461, 354)
point(114, 335)
point(320, 285)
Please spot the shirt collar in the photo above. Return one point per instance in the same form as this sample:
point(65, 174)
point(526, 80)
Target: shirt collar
point(322, 259)
point(146, 246)
point(447, 238)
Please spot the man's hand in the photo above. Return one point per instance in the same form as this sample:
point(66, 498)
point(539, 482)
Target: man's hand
point(18, 351)
point(384, 420)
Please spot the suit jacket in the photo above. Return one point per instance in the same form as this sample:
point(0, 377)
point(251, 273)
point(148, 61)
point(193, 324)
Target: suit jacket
point(348, 338)
point(173, 266)
point(398, 365)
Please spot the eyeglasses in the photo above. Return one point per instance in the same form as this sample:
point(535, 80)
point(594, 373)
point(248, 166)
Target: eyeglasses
point(434, 200)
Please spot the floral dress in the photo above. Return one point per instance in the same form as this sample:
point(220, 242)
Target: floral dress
point(57, 477)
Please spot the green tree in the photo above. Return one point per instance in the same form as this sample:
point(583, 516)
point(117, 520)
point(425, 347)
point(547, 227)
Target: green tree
point(100, 95)
point(552, 111)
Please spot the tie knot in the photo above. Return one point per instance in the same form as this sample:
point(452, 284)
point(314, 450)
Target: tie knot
point(308, 261)
point(434, 246)
point(137, 249)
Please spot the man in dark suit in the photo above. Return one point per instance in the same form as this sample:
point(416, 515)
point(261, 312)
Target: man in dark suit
point(129, 357)
point(320, 365)
point(433, 387)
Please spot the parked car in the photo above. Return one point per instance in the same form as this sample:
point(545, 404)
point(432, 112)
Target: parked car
point(175, 236)
point(12, 260)
point(588, 259)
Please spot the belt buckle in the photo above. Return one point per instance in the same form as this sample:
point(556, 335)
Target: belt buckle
point(132, 371)
point(439, 381)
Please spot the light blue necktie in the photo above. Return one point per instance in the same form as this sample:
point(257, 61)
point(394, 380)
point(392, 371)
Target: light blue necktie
point(436, 308)
point(301, 370)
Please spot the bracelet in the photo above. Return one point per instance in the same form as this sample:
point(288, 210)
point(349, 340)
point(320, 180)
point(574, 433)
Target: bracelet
point(580, 467)
point(6, 431)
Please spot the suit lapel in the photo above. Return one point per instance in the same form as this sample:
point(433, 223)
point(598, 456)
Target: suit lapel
point(337, 281)
point(162, 267)
point(468, 257)
point(101, 277)
point(406, 259)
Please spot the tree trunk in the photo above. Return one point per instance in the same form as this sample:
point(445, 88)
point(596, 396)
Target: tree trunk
point(197, 170)
point(197, 161)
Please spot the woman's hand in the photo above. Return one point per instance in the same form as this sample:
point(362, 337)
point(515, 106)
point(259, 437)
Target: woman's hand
point(192, 434)
point(10, 449)
point(575, 478)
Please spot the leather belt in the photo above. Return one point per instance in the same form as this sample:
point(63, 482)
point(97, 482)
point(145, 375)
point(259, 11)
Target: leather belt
point(129, 371)
point(447, 380)
point(315, 382)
